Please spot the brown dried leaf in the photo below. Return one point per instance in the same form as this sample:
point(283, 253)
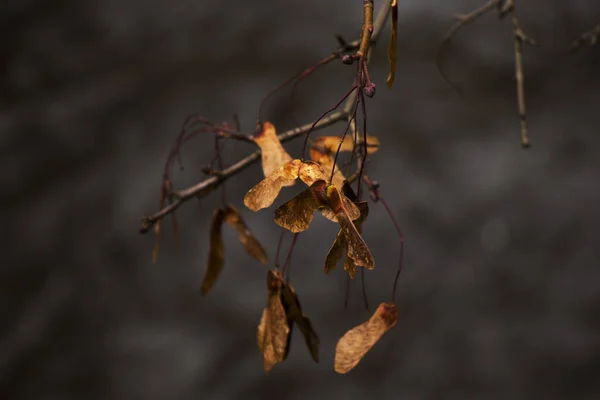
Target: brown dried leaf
point(273, 330)
point(327, 162)
point(216, 252)
point(297, 214)
point(336, 251)
point(358, 250)
point(294, 312)
point(353, 346)
point(392, 45)
point(310, 172)
point(272, 152)
point(250, 243)
point(266, 191)
point(349, 207)
point(331, 143)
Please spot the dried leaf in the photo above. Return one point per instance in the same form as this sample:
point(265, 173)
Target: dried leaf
point(216, 252)
point(349, 207)
point(250, 243)
point(273, 330)
point(272, 152)
point(392, 45)
point(357, 248)
point(297, 214)
point(353, 346)
point(340, 245)
point(327, 162)
point(294, 312)
point(266, 191)
point(331, 143)
point(336, 251)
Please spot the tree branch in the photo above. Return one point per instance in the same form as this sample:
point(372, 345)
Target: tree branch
point(590, 37)
point(208, 185)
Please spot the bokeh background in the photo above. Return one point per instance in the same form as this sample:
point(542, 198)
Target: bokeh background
point(499, 296)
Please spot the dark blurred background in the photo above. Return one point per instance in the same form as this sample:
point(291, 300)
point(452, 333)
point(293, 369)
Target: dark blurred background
point(499, 296)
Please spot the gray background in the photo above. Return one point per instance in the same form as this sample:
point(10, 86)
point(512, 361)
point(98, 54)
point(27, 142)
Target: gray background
point(499, 297)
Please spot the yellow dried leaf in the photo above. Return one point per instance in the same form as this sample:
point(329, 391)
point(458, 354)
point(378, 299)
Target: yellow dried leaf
point(327, 162)
point(392, 45)
point(294, 312)
point(266, 191)
point(272, 152)
point(353, 346)
point(216, 252)
point(330, 144)
point(310, 172)
point(297, 214)
point(273, 330)
point(250, 243)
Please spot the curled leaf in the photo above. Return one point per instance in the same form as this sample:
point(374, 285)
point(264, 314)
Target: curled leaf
point(297, 214)
point(273, 154)
point(392, 45)
point(266, 191)
point(358, 250)
point(273, 330)
point(355, 343)
point(216, 252)
point(332, 143)
point(250, 243)
point(294, 312)
point(340, 245)
point(327, 162)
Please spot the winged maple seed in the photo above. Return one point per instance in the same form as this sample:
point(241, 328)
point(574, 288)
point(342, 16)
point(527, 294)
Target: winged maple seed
point(340, 245)
point(273, 330)
point(355, 343)
point(266, 191)
point(332, 143)
point(216, 251)
point(327, 162)
point(294, 313)
point(297, 214)
point(272, 152)
point(251, 245)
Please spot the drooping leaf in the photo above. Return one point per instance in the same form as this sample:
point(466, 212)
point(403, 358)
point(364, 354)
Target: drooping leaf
point(349, 207)
point(392, 45)
point(336, 251)
point(297, 214)
point(216, 252)
point(358, 250)
point(327, 162)
point(353, 346)
point(273, 154)
point(266, 191)
point(332, 143)
point(273, 330)
point(294, 312)
point(340, 245)
point(248, 240)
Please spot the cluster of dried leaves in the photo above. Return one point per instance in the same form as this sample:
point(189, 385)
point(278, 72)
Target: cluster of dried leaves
point(329, 193)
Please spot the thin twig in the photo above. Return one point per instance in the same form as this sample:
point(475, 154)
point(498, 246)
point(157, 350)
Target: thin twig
point(463, 20)
point(592, 36)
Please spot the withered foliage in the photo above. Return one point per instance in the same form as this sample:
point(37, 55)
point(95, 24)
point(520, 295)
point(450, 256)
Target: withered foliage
point(355, 343)
point(266, 191)
point(297, 214)
point(272, 153)
point(327, 162)
point(250, 243)
point(216, 251)
point(276, 324)
point(340, 245)
point(273, 329)
point(332, 143)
